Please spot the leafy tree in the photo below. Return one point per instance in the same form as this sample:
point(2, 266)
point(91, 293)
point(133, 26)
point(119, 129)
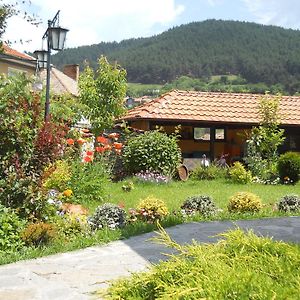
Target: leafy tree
point(103, 92)
point(8, 10)
point(266, 138)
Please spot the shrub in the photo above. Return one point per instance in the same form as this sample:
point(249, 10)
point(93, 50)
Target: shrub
point(153, 151)
point(88, 181)
point(22, 193)
point(289, 167)
point(57, 176)
point(209, 173)
point(150, 210)
point(71, 225)
point(154, 177)
point(244, 202)
point(199, 204)
point(108, 215)
point(10, 229)
point(238, 174)
point(289, 203)
point(240, 266)
point(38, 234)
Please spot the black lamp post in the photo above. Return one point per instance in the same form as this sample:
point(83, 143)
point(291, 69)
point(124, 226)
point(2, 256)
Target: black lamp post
point(56, 37)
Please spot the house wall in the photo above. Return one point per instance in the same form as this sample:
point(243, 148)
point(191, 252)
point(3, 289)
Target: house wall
point(9, 68)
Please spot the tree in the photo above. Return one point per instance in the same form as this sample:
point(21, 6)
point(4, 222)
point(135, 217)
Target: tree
point(8, 10)
point(265, 139)
point(103, 92)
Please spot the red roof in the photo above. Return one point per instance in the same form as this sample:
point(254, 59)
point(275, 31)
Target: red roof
point(212, 107)
point(9, 51)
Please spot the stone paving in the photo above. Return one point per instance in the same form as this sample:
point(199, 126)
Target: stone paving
point(76, 275)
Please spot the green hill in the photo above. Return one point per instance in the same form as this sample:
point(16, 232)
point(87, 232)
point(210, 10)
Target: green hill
point(256, 52)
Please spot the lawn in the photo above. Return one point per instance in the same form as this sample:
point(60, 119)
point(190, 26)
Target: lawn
point(176, 192)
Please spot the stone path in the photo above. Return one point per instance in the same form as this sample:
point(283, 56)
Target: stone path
point(75, 275)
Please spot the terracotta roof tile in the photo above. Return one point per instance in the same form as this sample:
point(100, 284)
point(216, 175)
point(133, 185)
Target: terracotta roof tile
point(214, 107)
point(9, 51)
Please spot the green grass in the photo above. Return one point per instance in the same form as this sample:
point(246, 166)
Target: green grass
point(176, 192)
point(173, 194)
point(242, 266)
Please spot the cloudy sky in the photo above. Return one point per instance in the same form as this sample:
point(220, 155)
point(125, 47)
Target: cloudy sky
point(94, 21)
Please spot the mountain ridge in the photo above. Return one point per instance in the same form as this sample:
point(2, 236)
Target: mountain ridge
point(259, 53)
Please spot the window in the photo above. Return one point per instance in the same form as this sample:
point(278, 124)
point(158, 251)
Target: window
point(220, 134)
point(202, 133)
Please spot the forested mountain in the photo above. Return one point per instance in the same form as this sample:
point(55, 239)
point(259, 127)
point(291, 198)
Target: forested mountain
point(256, 52)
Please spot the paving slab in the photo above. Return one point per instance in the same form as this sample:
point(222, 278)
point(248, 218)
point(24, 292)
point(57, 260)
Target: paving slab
point(76, 275)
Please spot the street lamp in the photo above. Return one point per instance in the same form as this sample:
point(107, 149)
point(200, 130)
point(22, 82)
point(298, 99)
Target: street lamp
point(55, 36)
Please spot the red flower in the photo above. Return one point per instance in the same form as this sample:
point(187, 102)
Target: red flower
point(102, 140)
point(81, 141)
point(114, 135)
point(87, 159)
point(85, 130)
point(89, 153)
point(70, 142)
point(118, 145)
point(100, 149)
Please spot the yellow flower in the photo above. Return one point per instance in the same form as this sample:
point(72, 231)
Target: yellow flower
point(68, 193)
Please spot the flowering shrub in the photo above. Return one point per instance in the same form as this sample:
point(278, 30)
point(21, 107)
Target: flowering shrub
point(154, 177)
point(153, 151)
point(289, 167)
point(289, 203)
point(199, 204)
point(108, 215)
point(244, 202)
point(150, 210)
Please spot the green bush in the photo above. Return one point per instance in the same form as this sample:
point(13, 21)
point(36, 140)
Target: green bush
point(209, 173)
point(10, 230)
point(88, 181)
point(240, 266)
point(108, 215)
point(38, 234)
point(199, 204)
point(244, 202)
point(238, 174)
point(289, 203)
point(152, 151)
point(57, 176)
point(150, 210)
point(72, 225)
point(289, 167)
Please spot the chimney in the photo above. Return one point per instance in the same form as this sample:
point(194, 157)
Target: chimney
point(72, 71)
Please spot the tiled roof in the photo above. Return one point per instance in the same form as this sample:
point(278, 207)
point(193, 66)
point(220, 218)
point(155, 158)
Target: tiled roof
point(9, 51)
point(60, 83)
point(212, 107)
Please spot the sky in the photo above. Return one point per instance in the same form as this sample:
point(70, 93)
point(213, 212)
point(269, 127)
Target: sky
point(94, 21)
